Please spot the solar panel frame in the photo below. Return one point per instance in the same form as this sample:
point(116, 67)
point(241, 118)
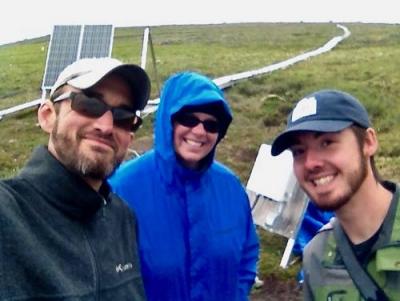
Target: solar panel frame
point(69, 43)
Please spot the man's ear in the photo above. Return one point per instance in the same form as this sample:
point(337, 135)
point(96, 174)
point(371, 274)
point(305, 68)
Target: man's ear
point(370, 142)
point(47, 116)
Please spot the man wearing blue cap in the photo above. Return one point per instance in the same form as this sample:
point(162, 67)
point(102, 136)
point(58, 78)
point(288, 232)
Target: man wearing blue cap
point(356, 256)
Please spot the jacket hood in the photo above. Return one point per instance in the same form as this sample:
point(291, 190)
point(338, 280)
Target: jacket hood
point(187, 90)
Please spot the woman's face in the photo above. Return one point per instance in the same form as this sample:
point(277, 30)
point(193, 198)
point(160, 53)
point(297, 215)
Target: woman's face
point(195, 135)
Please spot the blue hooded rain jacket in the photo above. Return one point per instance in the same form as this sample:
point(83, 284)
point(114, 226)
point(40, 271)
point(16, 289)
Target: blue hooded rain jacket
point(196, 235)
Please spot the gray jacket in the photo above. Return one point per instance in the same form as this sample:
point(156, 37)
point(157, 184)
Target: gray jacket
point(61, 240)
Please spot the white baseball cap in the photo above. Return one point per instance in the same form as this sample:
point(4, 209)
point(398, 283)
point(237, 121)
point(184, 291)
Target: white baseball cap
point(85, 73)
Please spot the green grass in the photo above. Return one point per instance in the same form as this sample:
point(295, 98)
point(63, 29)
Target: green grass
point(366, 65)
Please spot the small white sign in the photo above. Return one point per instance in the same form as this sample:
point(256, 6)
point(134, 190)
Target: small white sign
point(272, 176)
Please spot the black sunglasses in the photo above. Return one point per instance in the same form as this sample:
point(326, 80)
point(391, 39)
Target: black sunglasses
point(189, 120)
point(93, 107)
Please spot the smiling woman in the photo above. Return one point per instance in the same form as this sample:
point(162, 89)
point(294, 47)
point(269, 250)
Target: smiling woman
point(195, 223)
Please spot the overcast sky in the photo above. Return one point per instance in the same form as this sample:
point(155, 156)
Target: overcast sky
point(21, 19)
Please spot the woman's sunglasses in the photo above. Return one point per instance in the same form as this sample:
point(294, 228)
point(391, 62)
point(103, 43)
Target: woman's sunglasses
point(189, 120)
point(93, 107)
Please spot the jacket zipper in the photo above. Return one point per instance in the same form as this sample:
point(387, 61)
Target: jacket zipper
point(92, 257)
point(103, 210)
point(96, 279)
point(94, 267)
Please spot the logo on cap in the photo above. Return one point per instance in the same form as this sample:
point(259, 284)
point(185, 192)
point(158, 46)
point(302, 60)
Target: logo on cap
point(305, 107)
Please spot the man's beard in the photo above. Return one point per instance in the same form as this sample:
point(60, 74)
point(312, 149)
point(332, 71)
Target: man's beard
point(355, 180)
point(78, 162)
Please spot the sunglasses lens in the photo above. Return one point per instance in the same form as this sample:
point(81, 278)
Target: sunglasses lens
point(121, 114)
point(211, 126)
point(188, 120)
point(131, 124)
point(191, 121)
point(88, 106)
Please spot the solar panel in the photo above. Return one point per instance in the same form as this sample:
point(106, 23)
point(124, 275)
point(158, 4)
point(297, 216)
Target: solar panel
point(64, 46)
point(68, 43)
point(96, 41)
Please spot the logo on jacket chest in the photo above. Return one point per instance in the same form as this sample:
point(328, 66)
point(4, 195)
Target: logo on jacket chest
point(120, 268)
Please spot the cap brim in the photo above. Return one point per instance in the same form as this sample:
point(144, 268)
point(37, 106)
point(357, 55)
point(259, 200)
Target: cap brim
point(285, 139)
point(135, 76)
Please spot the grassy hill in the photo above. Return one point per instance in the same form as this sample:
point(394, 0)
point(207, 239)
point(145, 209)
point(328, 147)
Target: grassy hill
point(365, 65)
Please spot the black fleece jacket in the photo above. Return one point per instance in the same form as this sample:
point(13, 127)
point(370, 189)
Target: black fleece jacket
point(62, 240)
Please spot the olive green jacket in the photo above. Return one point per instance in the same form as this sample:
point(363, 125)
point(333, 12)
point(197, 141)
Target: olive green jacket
point(326, 277)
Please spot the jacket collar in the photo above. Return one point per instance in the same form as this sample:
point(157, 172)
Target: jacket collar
point(392, 218)
point(60, 187)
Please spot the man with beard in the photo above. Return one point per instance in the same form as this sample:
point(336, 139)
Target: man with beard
point(356, 255)
point(63, 234)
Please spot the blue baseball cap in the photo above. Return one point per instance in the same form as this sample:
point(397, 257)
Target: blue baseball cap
point(322, 111)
